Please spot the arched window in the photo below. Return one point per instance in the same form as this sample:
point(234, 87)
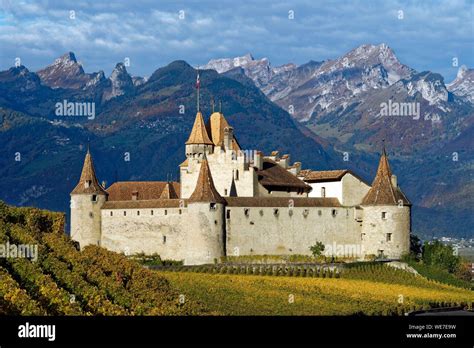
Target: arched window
point(323, 192)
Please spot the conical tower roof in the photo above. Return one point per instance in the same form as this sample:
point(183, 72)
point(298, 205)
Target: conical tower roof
point(205, 190)
point(383, 192)
point(169, 192)
point(199, 133)
point(215, 128)
point(88, 183)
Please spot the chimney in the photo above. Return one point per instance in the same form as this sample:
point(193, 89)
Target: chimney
point(394, 180)
point(134, 195)
point(274, 156)
point(297, 166)
point(258, 160)
point(284, 161)
point(228, 136)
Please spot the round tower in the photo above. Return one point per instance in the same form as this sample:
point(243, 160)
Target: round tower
point(87, 199)
point(206, 238)
point(386, 216)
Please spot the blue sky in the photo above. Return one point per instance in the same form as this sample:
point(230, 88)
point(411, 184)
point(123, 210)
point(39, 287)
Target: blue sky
point(152, 34)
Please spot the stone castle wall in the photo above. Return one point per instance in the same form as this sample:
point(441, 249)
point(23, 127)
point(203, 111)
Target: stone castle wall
point(262, 230)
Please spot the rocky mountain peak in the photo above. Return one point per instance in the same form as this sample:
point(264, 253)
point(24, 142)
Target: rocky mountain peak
point(463, 84)
point(65, 72)
point(121, 82)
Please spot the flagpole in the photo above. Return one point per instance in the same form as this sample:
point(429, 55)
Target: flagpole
point(198, 87)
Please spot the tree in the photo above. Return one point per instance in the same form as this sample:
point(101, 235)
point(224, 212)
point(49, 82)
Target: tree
point(442, 256)
point(317, 249)
point(416, 247)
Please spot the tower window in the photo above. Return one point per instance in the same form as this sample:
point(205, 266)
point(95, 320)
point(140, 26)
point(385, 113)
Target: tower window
point(225, 192)
point(111, 213)
point(91, 215)
point(384, 215)
point(94, 198)
point(275, 212)
point(138, 212)
point(334, 212)
point(323, 192)
point(228, 214)
point(124, 213)
point(362, 236)
point(88, 183)
point(246, 212)
point(236, 174)
point(151, 212)
point(212, 206)
point(164, 239)
point(180, 212)
point(320, 213)
point(389, 237)
point(166, 212)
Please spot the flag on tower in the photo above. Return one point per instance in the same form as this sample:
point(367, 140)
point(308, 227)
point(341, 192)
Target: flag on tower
point(198, 81)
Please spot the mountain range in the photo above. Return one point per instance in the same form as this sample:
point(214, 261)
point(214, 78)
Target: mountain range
point(319, 112)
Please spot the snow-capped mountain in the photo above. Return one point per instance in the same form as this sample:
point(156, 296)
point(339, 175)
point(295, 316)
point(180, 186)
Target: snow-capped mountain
point(259, 70)
point(343, 98)
point(463, 84)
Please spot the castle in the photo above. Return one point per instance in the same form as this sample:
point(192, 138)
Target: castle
point(234, 202)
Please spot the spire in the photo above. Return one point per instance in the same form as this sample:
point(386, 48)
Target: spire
point(233, 189)
point(88, 183)
point(169, 192)
point(205, 190)
point(216, 125)
point(383, 192)
point(199, 133)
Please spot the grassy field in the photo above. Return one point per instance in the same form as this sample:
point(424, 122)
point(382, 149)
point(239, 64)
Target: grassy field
point(232, 294)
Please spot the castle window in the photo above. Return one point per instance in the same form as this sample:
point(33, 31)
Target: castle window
point(164, 239)
point(225, 192)
point(166, 212)
point(320, 213)
point(228, 214)
point(180, 212)
point(275, 212)
point(88, 183)
point(94, 198)
point(138, 212)
point(236, 174)
point(305, 212)
point(334, 212)
point(389, 237)
point(213, 206)
point(323, 192)
point(384, 215)
point(111, 213)
point(246, 212)
point(261, 212)
point(151, 212)
point(91, 215)
point(362, 236)
point(124, 213)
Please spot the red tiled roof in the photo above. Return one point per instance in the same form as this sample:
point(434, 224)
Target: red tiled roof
point(146, 190)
